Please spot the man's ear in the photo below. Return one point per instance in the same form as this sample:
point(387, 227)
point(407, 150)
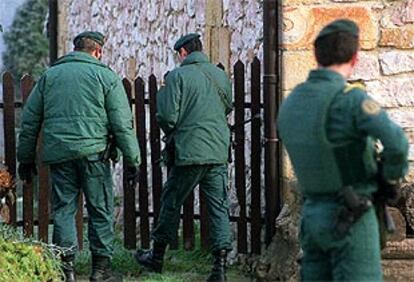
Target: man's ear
point(354, 59)
point(182, 53)
point(97, 53)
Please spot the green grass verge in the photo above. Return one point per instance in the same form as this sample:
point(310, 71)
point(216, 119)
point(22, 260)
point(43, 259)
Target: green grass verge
point(179, 265)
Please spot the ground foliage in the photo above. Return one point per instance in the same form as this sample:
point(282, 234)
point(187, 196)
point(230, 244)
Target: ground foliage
point(25, 259)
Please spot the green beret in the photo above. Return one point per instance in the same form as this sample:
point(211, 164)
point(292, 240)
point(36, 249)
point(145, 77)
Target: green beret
point(338, 26)
point(185, 39)
point(94, 35)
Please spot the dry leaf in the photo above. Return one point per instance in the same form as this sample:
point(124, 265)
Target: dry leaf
point(5, 213)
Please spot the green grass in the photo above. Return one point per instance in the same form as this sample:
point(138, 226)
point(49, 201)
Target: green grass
point(123, 260)
point(179, 265)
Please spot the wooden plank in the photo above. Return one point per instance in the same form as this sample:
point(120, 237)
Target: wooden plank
point(9, 135)
point(130, 240)
point(26, 85)
point(188, 223)
point(204, 232)
point(140, 119)
point(79, 222)
point(255, 158)
point(44, 188)
point(240, 162)
point(155, 148)
point(43, 195)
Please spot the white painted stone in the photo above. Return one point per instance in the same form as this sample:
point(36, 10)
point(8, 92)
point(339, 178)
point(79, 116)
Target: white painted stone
point(392, 92)
point(411, 153)
point(226, 5)
point(394, 62)
point(178, 5)
point(191, 8)
point(153, 27)
point(152, 11)
point(367, 67)
point(95, 9)
point(404, 117)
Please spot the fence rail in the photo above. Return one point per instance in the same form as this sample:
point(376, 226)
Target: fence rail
point(143, 103)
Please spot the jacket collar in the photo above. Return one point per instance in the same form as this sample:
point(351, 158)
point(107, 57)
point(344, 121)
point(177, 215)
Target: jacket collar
point(326, 74)
point(77, 56)
point(195, 57)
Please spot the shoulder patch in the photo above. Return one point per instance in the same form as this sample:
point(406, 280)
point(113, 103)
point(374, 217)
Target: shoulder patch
point(351, 86)
point(370, 107)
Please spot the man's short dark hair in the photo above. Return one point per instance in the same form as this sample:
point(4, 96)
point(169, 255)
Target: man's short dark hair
point(86, 45)
point(335, 48)
point(193, 46)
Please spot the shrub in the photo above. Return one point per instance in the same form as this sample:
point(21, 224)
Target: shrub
point(26, 260)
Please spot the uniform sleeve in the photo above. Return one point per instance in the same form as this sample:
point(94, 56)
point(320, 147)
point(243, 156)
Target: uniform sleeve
point(32, 118)
point(229, 97)
point(121, 123)
point(168, 102)
point(374, 121)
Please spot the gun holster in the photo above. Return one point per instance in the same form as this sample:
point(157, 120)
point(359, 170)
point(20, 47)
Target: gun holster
point(354, 207)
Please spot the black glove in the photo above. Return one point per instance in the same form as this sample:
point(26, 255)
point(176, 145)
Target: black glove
point(27, 171)
point(389, 191)
point(132, 175)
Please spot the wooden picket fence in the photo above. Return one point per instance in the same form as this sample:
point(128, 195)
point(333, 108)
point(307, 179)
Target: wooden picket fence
point(143, 102)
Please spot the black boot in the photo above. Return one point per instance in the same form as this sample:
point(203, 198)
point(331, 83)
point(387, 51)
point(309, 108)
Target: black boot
point(101, 270)
point(152, 259)
point(68, 268)
point(218, 273)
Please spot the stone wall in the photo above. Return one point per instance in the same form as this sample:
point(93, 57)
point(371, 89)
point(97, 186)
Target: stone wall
point(386, 65)
point(141, 33)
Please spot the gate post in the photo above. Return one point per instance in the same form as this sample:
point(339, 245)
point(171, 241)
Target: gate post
point(272, 94)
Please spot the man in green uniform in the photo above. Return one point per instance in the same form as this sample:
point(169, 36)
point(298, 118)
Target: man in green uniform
point(191, 110)
point(329, 128)
point(80, 103)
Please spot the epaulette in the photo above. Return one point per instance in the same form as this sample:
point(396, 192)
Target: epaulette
point(355, 85)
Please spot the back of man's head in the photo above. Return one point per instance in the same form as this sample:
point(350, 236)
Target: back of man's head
point(337, 43)
point(193, 46)
point(86, 45)
point(89, 41)
point(190, 42)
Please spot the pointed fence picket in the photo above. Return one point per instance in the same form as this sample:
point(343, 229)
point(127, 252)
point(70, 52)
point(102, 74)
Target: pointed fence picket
point(139, 213)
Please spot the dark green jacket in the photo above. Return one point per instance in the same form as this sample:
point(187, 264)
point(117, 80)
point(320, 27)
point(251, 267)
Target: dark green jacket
point(190, 109)
point(79, 101)
point(328, 129)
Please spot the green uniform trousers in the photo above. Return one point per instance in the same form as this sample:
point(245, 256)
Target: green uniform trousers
point(92, 176)
point(327, 257)
point(181, 181)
